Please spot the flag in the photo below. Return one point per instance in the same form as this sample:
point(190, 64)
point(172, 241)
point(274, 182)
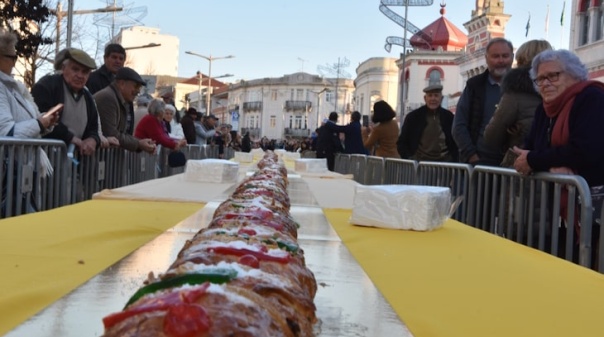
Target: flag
point(528, 25)
point(562, 15)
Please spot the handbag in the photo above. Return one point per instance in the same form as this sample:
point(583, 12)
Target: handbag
point(176, 159)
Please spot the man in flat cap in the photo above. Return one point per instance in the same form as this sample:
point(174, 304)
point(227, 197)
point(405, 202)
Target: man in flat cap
point(426, 132)
point(78, 123)
point(114, 104)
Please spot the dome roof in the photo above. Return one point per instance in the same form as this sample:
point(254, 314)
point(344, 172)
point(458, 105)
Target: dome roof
point(442, 33)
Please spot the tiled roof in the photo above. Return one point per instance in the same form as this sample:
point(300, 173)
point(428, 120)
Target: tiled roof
point(443, 33)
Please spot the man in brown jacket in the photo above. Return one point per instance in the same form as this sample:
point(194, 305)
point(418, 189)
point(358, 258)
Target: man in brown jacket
point(113, 103)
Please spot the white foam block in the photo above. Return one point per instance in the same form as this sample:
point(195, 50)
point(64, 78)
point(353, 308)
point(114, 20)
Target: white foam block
point(420, 208)
point(211, 170)
point(291, 156)
point(257, 154)
point(243, 157)
point(310, 165)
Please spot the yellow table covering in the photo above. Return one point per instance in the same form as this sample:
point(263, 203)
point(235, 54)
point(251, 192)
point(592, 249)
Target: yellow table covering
point(460, 281)
point(44, 256)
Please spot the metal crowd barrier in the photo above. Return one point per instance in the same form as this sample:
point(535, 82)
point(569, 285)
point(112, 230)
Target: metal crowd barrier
point(342, 163)
point(542, 211)
point(400, 171)
point(358, 165)
point(374, 174)
point(456, 176)
point(25, 188)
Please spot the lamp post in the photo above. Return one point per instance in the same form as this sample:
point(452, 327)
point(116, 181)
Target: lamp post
point(70, 13)
point(210, 59)
point(318, 93)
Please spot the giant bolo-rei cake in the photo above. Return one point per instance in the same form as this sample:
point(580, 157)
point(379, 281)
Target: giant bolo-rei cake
point(244, 275)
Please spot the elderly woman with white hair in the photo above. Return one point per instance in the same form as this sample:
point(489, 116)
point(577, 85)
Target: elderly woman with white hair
point(174, 128)
point(566, 135)
point(152, 126)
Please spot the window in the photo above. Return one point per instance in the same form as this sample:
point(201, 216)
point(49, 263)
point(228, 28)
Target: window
point(583, 22)
point(329, 96)
point(298, 122)
point(274, 94)
point(434, 75)
point(291, 122)
point(299, 94)
point(291, 94)
point(599, 21)
point(272, 122)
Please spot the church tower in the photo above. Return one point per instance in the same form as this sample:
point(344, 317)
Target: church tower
point(488, 22)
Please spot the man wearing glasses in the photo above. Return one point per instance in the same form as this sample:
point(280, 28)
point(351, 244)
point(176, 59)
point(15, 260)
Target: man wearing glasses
point(478, 103)
point(114, 103)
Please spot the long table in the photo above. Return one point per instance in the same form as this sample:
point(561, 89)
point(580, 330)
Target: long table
point(455, 281)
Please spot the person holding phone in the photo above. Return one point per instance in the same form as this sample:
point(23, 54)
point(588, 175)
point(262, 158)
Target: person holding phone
point(19, 115)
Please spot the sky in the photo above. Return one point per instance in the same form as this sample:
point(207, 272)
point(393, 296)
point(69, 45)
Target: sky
point(272, 38)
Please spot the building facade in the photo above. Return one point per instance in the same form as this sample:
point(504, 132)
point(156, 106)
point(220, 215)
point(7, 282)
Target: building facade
point(587, 35)
point(291, 106)
point(159, 60)
point(377, 79)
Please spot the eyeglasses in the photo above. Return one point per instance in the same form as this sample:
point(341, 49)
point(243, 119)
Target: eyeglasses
point(12, 57)
point(551, 78)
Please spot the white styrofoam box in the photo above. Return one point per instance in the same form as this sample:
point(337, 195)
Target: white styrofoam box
point(243, 157)
point(211, 170)
point(257, 154)
point(420, 208)
point(310, 165)
point(291, 156)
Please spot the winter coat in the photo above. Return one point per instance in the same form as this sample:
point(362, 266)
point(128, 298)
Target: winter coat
point(514, 115)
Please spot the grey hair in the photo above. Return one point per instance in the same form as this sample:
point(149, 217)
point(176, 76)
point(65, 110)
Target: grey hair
point(500, 40)
point(156, 107)
point(171, 108)
point(8, 41)
point(570, 63)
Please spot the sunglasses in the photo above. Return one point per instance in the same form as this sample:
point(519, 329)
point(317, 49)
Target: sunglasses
point(12, 57)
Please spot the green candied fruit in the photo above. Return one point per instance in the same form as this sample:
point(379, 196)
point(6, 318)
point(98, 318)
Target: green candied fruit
point(212, 275)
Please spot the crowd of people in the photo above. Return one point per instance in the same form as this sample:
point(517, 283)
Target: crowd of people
point(542, 116)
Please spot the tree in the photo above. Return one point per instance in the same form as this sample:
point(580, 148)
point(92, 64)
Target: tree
point(25, 17)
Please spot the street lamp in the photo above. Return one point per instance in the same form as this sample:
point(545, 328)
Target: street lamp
point(149, 45)
point(210, 59)
point(200, 77)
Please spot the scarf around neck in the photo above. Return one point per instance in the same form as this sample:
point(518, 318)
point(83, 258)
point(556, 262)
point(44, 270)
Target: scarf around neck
point(560, 107)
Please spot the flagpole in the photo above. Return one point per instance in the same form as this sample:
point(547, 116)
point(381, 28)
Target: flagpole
point(562, 25)
point(547, 22)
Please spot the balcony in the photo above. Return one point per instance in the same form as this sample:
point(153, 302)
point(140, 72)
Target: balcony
point(297, 132)
point(298, 106)
point(252, 106)
point(254, 132)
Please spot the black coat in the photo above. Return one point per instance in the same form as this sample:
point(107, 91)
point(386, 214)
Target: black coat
point(413, 127)
point(328, 141)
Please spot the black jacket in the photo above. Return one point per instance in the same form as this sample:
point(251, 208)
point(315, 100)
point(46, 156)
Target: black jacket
point(413, 127)
point(48, 92)
point(328, 141)
point(99, 79)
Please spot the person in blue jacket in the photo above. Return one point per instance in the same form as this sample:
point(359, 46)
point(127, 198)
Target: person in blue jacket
point(353, 141)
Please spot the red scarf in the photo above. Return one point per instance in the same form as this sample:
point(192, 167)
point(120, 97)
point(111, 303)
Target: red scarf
point(560, 107)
